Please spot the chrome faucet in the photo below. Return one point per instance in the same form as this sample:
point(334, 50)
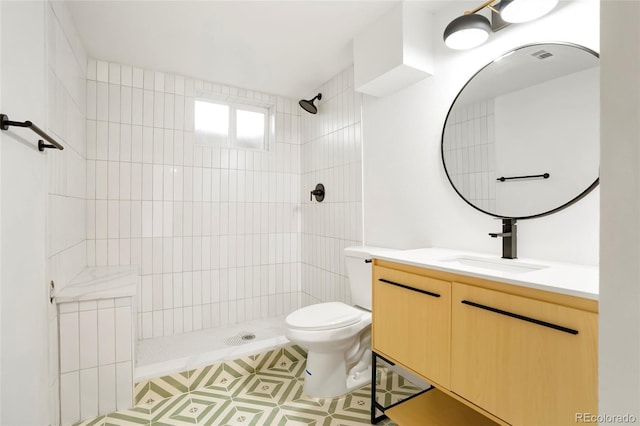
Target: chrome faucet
point(509, 237)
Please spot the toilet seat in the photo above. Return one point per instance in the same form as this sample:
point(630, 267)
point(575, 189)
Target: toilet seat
point(324, 316)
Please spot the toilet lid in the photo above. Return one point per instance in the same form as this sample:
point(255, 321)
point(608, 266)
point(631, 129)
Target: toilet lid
point(324, 316)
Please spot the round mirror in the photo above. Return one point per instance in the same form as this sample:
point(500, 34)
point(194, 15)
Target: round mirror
point(522, 137)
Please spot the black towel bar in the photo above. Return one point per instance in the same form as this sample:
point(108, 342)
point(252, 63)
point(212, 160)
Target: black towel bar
point(5, 123)
point(544, 176)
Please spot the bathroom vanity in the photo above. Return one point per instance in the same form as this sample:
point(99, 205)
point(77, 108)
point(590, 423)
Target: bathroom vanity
point(502, 341)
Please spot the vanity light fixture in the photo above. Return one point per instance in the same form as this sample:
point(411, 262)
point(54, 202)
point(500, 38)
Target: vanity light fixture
point(471, 29)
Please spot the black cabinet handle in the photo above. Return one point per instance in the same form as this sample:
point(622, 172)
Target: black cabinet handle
point(428, 293)
point(521, 317)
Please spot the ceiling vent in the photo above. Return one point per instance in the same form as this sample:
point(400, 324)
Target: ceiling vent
point(542, 54)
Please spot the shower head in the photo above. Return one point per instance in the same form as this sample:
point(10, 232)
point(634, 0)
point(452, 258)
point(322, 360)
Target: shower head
point(309, 106)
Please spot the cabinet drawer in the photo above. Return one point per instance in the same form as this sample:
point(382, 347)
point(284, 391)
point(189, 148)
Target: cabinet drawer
point(526, 361)
point(412, 322)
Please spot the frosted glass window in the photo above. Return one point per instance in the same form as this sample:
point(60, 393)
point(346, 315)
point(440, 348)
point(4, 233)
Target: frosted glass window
point(250, 126)
point(211, 121)
point(230, 124)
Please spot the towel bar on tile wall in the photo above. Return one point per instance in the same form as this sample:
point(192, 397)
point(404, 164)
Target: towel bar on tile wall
point(5, 123)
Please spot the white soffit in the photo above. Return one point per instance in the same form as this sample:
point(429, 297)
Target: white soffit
point(282, 47)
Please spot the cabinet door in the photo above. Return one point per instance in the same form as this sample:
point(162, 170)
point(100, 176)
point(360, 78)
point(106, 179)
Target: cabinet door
point(412, 322)
point(519, 358)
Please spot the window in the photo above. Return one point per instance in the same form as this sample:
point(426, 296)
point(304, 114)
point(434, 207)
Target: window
point(211, 123)
point(230, 124)
point(249, 127)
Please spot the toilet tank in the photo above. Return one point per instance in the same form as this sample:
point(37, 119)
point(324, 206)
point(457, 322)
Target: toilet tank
point(359, 273)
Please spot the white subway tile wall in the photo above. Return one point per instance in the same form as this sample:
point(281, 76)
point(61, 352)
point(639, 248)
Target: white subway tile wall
point(331, 155)
point(469, 152)
point(96, 357)
point(215, 231)
point(66, 176)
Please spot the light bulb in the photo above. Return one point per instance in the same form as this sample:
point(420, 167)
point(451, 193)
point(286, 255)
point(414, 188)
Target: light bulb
point(466, 39)
point(467, 31)
point(517, 11)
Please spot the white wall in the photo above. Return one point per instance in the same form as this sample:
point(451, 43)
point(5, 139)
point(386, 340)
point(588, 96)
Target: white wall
point(66, 83)
point(331, 155)
point(619, 354)
point(66, 170)
point(24, 369)
point(1, 270)
point(44, 231)
point(408, 201)
point(214, 230)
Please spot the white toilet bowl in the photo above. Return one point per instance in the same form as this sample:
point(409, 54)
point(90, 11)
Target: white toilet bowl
point(338, 341)
point(338, 336)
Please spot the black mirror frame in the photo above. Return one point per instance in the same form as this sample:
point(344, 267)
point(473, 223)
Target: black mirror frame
point(554, 210)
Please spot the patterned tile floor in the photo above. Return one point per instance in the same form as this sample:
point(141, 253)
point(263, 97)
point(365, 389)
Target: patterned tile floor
point(264, 389)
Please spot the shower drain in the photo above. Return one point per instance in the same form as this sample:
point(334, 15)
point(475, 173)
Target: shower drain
point(240, 339)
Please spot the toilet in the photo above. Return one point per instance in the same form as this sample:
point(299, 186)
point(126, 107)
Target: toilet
point(337, 336)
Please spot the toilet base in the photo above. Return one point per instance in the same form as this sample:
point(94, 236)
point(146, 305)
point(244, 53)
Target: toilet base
point(326, 375)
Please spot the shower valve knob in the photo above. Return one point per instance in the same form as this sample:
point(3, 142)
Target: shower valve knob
point(318, 192)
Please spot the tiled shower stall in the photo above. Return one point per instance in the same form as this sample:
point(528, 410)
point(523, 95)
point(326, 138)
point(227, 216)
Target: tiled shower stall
point(220, 235)
point(214, 230)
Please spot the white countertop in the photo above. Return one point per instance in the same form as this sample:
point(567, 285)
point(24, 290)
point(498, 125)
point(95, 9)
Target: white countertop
point(563, 278)
point(101, 282)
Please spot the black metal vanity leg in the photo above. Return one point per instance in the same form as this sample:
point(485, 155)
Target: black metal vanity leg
point(374, 404)
point(373, 387)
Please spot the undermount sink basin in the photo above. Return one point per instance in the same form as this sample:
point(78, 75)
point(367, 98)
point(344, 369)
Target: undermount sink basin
point(495, 265)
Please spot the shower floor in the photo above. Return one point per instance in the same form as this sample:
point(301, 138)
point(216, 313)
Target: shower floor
point(166, 355)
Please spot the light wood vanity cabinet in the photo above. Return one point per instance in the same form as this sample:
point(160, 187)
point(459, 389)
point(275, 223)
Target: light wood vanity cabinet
point(520, 367)
point(412, 321)
point(517, 355)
